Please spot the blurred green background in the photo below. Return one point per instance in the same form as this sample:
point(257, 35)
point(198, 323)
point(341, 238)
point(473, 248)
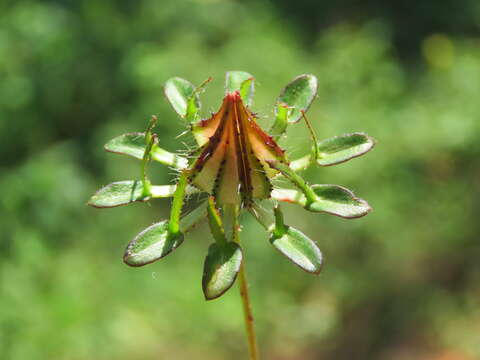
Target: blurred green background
point(401, 283)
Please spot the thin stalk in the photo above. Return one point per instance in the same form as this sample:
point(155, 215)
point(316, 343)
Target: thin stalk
point(147, 191)
point(150, 139)
point(279, 229)
point(313, 135)
point(247, 307)
point(247, 313)
point(177, 204)
point(295, 179)
point(215, 222)
point(307, 160)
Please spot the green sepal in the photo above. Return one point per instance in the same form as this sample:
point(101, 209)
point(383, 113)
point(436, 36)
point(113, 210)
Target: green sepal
point(118, 193)
point(298, 248)
point(152, 244)
point(342, 148)
point(330, 199)
point(242, 82)
point(183, 97)
point(220, 269)
point(297, 96)
point(133, 144)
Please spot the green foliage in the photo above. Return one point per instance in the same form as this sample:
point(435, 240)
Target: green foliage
point(183, 98)
point(343, 148)
point(152, 244)
point(297, 96)
point(299, 248)
point(295, 245)
point(215, 222)
point(221, 268)
point(294, 100)
point(134, 144)
point(331, 199)
point(118, 193)
point(225, 256)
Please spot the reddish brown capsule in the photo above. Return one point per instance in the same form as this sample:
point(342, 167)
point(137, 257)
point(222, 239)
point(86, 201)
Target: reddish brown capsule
point(234, 161)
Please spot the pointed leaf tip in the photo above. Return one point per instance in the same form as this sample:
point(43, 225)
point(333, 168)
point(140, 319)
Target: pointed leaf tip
point(220, 269)
point(343, 148)
point(152, 244)
point(118, 193)
point(299, 249)
point(297, 95)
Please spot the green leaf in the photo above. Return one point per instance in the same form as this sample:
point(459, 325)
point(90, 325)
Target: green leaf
point(190, 220)
point(117, 194)
point(133, 144)
point(240, 81)
point(182, 96)
point(128, 191)
point(298, 248)
point(337, 200)
point(262, 213)
point(220, 269)
point(152, 244)
point(342, 148)
point(297, 95)
point(331, 199)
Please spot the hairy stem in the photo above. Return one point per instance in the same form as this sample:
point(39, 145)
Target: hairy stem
point(247, 307)
point(177, 204)
point(247, 313)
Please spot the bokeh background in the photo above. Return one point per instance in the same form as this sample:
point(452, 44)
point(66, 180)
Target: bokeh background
point(401, 283)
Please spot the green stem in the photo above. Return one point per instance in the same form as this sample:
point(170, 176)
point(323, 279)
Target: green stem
point(279, 229)
point(295, 179)
point(307, 160)
point(215, 222)
point(150, 139)
point(263, 217)
point(177, 204)
point(247, 307)
point(147, 185)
